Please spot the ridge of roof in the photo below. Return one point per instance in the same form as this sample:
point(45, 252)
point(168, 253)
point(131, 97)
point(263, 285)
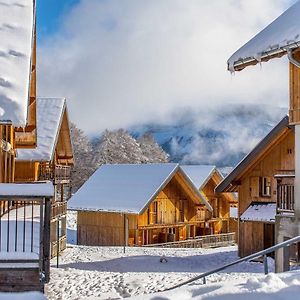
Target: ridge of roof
point(276, 130)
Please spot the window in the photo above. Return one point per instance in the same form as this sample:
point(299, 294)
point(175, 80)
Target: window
point(265, 186)
point(152, 213)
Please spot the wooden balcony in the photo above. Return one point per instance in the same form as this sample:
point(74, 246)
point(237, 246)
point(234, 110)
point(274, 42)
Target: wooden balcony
point(285, 194)
point(58, 174)
point(58, 209)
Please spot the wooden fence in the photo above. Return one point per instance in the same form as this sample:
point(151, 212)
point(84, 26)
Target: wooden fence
point(206, 241)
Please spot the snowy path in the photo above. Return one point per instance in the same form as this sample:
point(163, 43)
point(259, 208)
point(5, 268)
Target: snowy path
point(107, 273)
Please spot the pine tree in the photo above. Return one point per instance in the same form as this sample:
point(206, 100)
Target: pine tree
point(151, 150)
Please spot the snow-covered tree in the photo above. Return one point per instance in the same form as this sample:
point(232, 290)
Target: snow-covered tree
point(117, 147)
point(82, 149)
point(112, 147)
point(151, 150)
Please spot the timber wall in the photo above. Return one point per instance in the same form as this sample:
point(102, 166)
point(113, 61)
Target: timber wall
point(279, 159)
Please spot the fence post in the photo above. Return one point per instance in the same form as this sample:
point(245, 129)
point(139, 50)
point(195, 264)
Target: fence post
point(46, 240)
point(266, 264)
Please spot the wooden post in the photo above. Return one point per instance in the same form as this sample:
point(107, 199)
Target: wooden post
point(125, 232)
point(136, 237)
point(46, 240)
point(57, 245)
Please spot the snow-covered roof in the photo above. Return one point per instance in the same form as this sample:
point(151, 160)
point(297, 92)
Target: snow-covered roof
point(260, 212)
point(16, 39)
point(38, 189)
point(49, 117)
point(281, 35)
point(199, 174)
point(124, 187)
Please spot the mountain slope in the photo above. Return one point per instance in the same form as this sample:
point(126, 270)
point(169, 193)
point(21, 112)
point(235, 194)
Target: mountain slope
point(221, 136)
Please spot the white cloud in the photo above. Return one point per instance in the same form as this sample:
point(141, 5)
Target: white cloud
point(126, 62)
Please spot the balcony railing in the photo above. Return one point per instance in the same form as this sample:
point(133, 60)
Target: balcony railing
point(58, 209)
point(285, 198)
point(57, 174)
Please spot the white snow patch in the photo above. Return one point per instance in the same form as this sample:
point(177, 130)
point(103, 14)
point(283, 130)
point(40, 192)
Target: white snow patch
point(72, 227)
point(16, 33)
point(282, 33)
point(22, 296)
point(285, 286)
point(133, 186)
point(49, 116)
point(107, 272)
point(37, 189)
point(260, 212)
point(24, 229)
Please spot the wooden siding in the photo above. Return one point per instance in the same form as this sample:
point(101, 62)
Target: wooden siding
point(294, 109)
point(174, 215)
point(103, 228)
point(279, 159)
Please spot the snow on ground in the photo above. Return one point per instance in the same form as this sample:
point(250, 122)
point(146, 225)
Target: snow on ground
point(107, 273)
point(22, 225)
point(272, 286)
point(22, 296)
point(72, 227)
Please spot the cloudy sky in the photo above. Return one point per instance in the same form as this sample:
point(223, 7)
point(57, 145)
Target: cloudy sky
point(126, 62)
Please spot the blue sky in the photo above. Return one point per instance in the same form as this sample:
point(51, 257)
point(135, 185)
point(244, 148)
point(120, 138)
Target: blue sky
point(50, 13)
point(132, 62)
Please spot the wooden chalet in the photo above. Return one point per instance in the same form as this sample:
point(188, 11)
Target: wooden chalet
point(138, 204)
point(25, 208)
point(273, 175)
point(263, 179)
point(50, 160)
point(206, 178)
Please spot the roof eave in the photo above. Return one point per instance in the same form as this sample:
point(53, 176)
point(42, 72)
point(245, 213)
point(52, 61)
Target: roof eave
point(227, 181)
point(161, 187)
point(242, 63)
point(195, 189)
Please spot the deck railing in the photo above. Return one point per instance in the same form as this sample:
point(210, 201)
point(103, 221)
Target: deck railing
point(58, 209)
point(57, 174)
point(25, 235)
point(285, 198)
point(205, 241)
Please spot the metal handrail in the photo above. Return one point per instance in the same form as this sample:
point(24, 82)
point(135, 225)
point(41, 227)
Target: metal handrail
point(252, 256)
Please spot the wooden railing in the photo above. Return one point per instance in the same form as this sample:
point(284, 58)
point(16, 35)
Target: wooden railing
point(205, 241)
point(62, 245)
point(285, 198)
point(58, 209)
point(57, 173)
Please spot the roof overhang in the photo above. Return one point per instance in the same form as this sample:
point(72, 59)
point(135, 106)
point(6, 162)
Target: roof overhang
point(260, 212)
point(275, 40)
point(27, 190)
